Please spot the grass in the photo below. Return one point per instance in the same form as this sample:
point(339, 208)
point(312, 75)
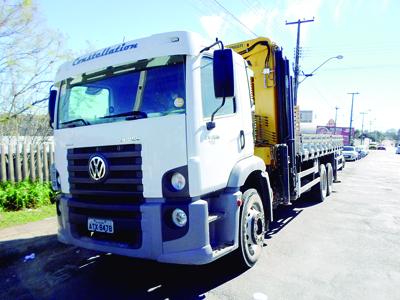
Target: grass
point(12, 218)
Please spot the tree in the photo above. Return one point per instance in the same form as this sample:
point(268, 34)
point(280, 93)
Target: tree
point(391, 134)
point(357, 134)
point(28, 52)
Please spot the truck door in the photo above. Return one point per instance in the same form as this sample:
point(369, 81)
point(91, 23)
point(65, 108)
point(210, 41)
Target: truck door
point(221, 147)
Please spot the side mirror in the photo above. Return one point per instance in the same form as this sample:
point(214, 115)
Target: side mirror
point(223, 73)
point(52, 105)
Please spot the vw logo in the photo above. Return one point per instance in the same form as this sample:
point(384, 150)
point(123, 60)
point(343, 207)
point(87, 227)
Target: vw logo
point(97, 168)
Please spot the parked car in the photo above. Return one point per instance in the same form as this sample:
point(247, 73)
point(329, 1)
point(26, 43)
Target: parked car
point(362, 151)
point(350, 153)
point(398, 150)
point(373, 146)
point(381, 147)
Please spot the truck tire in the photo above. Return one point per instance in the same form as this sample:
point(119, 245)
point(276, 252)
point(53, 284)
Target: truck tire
point(251, 228)
point(319, 190)
point(329, 179)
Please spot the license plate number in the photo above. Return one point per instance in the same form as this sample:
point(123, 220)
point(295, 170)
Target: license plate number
point(100, 225)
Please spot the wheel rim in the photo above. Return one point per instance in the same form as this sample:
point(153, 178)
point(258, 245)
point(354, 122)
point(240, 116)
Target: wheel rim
point(330, 177)
point(253, 231)
point(324, 184)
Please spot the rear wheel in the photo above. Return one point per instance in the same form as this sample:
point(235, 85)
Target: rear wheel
point(319, 190)
point(252, 228)
point(329, 179)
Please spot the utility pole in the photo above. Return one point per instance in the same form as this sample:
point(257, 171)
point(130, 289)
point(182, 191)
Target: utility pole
point(296, 65)
point(351, 113)
point(362, 127)
point(335, 118)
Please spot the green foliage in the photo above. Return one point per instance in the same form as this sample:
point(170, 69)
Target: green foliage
point(379, 136)
point(25, 194)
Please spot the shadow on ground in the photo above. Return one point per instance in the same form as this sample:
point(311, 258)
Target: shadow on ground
point(65, 272)
point(283, 215)
point(115, 277)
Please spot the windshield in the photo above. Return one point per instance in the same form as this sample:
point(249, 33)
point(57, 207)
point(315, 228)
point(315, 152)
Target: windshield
point(144, 89)
point(348, 148)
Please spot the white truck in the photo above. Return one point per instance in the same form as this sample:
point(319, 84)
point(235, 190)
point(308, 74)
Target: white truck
point(167, 149)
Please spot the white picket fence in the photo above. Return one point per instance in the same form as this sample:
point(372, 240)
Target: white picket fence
point(26, 162)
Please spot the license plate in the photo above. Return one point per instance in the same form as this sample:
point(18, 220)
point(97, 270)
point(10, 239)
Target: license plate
point(100, 225)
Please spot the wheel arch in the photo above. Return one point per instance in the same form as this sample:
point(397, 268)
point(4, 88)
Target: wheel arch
point(250, 173)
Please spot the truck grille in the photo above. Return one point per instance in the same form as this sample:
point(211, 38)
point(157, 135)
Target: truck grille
point(122, 184)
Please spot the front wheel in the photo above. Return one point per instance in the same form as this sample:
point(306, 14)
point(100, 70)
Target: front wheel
point(252, 228)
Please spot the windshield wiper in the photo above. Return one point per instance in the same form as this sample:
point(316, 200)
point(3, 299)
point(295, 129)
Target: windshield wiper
point(131, 115)
point(76, 120)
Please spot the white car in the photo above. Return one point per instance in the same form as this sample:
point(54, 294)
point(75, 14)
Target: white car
point(350, 153)
point(362, 151)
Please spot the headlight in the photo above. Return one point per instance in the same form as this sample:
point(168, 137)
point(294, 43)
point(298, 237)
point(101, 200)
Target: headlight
point(179, 217)
point(178, 181)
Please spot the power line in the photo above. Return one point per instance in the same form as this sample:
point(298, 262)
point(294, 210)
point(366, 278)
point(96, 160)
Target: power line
point(357, 67)
point(322, 96)
point(235, 18)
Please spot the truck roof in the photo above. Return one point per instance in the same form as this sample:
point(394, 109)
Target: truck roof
point(170, 43)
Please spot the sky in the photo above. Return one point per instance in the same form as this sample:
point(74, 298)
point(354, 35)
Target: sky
point(364, 32)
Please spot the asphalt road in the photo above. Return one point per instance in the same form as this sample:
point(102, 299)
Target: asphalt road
point(347, 247)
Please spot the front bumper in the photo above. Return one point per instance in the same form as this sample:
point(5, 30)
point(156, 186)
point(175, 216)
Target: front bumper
point(350, 157)
point(157, 240)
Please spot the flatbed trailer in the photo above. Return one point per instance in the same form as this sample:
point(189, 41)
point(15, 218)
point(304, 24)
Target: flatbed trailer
point(293, 160)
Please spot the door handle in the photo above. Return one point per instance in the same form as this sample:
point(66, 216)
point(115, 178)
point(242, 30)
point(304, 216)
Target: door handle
point(242, 140)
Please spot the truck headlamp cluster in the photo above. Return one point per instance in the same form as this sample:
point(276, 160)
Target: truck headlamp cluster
point(178, 181)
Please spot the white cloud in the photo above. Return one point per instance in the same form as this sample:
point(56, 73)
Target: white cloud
point(213, 25)
point(338, 10)
point(253, 18)
point(385, 4)
point(260, 20)
point(298, 9)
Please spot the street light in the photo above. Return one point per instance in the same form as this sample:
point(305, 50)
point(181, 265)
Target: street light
point(312, 73)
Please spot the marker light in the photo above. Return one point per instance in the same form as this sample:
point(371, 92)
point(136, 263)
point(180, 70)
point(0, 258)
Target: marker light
point(179, 217)
point(55, 178)
point(178, 181)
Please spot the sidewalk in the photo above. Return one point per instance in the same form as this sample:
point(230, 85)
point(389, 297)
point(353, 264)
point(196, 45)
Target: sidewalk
point(21, 240)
